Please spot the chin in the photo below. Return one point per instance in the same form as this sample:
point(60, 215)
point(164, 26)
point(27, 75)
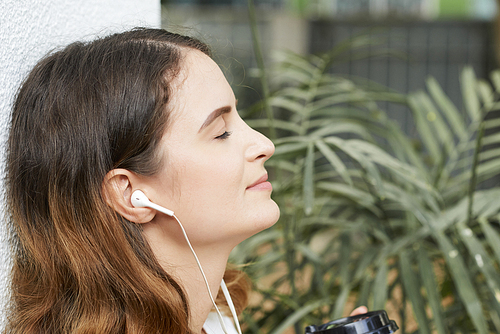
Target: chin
point(276, 214)
point(262, 217)
point(267, 216)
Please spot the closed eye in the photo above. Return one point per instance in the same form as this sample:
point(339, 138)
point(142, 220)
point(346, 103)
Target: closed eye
point(223, 136)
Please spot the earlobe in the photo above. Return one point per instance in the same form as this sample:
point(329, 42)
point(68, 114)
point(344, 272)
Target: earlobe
point(118, 186)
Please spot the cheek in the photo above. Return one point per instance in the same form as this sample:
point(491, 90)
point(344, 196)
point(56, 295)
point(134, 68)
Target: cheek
point(212, 202)
point(210, 183)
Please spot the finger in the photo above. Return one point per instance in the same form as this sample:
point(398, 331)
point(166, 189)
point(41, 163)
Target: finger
point(359, 310)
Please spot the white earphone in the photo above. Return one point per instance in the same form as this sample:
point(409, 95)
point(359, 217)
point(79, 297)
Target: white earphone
point(140, 200)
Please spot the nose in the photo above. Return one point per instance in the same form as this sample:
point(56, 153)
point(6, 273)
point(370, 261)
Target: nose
point(260, 147)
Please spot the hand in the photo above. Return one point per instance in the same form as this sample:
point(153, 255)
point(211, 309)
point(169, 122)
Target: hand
point(359, 310)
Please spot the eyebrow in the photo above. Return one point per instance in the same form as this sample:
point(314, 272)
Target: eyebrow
point(214, 114)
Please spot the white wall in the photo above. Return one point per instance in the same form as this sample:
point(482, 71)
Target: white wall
point(28, 30)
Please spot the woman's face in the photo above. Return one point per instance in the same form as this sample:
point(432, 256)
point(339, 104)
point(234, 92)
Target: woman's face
point(213, 174)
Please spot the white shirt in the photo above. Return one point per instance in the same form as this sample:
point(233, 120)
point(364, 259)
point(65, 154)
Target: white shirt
point(212, 324)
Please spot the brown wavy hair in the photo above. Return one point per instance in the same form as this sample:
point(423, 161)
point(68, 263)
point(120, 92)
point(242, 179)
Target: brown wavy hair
point(78, 266)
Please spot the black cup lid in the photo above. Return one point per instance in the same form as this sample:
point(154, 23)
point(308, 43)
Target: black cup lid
point(375, 322)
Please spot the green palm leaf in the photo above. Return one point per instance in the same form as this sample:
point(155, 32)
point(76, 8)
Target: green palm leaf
point(463, 282)
point(370, 214)
point(413, 287)
point(431, 287)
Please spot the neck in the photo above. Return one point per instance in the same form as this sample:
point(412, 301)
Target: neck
point(195, 287)
point(175, 256)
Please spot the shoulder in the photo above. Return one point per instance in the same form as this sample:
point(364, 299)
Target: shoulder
point(212, 325)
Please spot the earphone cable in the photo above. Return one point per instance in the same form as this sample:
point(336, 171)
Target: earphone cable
point(203, 274)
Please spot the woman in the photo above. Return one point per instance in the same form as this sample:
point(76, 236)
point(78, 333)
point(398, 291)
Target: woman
point(141, 110)
point(148, 110)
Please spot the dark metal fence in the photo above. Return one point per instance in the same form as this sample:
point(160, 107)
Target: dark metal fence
point(434, 48)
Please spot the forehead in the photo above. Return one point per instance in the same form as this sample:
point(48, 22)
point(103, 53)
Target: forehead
point(199, 88)
point(195, 63)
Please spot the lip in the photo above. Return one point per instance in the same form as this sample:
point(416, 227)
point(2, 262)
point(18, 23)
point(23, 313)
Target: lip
point(261, 184)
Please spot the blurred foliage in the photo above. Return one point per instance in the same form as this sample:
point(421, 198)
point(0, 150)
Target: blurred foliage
point(369, 215)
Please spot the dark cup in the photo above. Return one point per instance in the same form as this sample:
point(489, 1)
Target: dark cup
point(375, 322)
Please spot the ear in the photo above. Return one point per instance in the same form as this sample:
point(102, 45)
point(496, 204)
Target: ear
point(117, 190)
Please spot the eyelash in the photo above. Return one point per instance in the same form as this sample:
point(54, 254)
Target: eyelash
point(223, 136)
